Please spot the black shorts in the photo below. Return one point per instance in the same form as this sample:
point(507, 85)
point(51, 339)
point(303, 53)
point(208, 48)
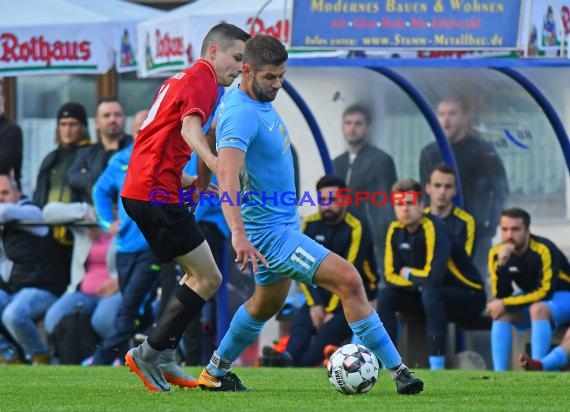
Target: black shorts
point(170, 230)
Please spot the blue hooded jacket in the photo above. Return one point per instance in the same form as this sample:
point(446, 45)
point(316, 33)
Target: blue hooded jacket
point(106, 190)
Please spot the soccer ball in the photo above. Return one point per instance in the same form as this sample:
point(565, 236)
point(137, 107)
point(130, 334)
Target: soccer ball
point(352, 369)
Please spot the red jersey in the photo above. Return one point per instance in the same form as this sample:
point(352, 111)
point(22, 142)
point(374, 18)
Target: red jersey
point(160, 152)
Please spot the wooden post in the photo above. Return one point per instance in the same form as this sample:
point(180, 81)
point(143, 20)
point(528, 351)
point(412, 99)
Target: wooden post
point(107, 84)
point(10, 97)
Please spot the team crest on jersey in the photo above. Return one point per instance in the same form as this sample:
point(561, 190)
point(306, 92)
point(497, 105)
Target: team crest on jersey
point(286, 141)
point(179, 75)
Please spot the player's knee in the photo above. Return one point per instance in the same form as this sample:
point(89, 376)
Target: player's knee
point(265, 312)
point(205, 285)
point(505, 317)
point(214, 281)
point(539, 310)
point(10, 318)
point(351, 285)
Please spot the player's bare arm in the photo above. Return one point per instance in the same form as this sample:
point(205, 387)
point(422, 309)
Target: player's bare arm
point(198, 142)
point(230, 165)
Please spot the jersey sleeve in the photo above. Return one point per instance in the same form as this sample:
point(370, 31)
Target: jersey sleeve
point(236, 127)
point(196, 98)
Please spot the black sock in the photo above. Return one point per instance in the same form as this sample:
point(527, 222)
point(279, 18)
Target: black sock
point(183, 304)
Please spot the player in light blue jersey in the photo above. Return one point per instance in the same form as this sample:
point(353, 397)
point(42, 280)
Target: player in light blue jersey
point(254, 155)
point(268, 181)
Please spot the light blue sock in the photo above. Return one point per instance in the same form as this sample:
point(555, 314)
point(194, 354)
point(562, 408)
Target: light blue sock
point(555, 360)
point(436, 362)
point(373, 335)
point(501, 342)
point(356, 340)
point(540, 338)
point(242, 332)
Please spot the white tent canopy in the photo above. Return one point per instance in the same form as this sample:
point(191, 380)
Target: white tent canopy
point(124, 16)
point(172, 42)
point(66, 36)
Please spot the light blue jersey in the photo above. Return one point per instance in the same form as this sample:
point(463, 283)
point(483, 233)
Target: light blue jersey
point(268, 178)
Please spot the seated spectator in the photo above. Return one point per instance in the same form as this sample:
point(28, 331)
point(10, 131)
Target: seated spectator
point(427, 274)
point(94, 289)
point(52, 186)
point(320, 321)
point(442, 188)
point(36, 279)
point(92, 160)
point(71, 135)
point(530, 285)
point(555, 360)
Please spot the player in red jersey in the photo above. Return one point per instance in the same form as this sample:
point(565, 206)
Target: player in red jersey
point(150, 195)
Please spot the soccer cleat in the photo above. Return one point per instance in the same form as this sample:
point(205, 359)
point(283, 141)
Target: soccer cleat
point(406, 384)
point(529, 364)
point(149, 373)
point(229, 382)
point(173, 373)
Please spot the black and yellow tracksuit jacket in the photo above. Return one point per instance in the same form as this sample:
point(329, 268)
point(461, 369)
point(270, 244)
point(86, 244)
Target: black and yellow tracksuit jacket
point(461, 227)
point(434, 258)
point(350, 239)
point(539, 272)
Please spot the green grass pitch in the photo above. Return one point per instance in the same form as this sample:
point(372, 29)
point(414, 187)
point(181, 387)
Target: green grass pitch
point(59, 388)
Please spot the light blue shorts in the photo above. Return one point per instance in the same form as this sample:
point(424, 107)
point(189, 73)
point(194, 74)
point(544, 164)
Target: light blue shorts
point(290, 254)
point(559, 306)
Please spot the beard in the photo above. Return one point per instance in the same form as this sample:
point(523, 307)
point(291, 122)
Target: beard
point(260, 94)
point(356, 141)
point(330, 216)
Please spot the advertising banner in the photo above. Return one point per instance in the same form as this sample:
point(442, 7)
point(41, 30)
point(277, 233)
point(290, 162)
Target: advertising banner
point(404, 25)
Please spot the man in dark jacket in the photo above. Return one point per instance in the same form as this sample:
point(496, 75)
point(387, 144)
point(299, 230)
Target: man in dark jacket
point(71, 134)
point(51, 185)
point(10, 143)
point(481, 172)
point(366, 168)
point(37, 277)
point(92, 160)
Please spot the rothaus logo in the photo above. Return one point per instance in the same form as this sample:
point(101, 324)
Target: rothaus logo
point(167, 46)
point(37, 49)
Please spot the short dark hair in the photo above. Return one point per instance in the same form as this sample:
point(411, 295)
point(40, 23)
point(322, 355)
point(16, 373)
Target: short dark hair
point(108, 99)
point(358, 108)
point(330, 180)
point(517, 213)
point(460, 100)
point(443, 168)
point(407, 185)
point(223, 34)
point(263, 50)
